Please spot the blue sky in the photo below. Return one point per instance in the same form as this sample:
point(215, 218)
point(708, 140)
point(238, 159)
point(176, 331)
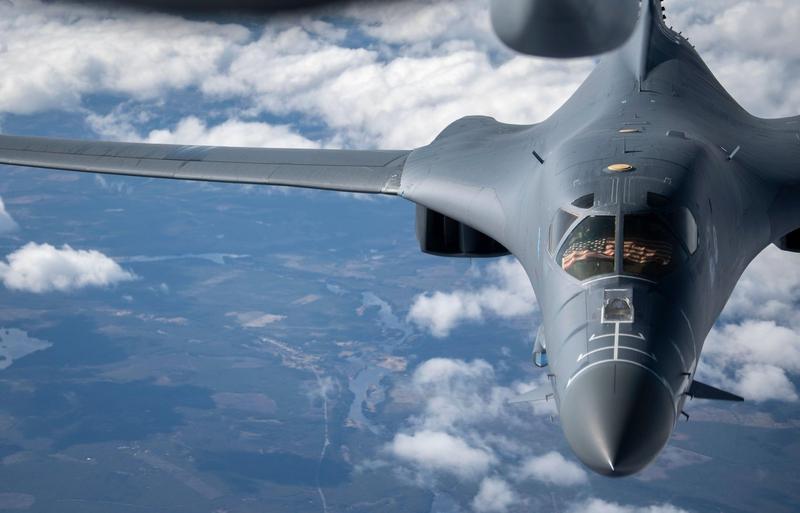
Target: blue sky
point(388, 77)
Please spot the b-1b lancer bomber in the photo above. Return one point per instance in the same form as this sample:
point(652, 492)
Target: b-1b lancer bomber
point(634, 209)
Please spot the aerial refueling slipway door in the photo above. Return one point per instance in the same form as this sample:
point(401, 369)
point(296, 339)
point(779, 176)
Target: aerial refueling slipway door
point(440, 235)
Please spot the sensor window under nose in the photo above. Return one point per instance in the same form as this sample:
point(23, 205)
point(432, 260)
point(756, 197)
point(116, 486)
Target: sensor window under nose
point(617, 305)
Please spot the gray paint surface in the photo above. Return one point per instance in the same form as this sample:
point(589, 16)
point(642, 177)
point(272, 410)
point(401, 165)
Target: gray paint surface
point(346, 170)
point(619, 385)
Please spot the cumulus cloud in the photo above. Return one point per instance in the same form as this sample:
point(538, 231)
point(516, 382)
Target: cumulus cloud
point(751, 35)
point(394, 101)
point(420, 68)
point(552, 468)
point(601, 506)
point(756, 346)
point(508, 294)
point(458, 393)
point(421, 25)
point(768, 289)
point(193, 130)
point(232, 132)
point(56, 53)
point(455, 429)
point(437, 450)
point(752, 341)
point(43, 268)
point(7, 223)
point(494, 496)
point(255, 319)
point(764, 382)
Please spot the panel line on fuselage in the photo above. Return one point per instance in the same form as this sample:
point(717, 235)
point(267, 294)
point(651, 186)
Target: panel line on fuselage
point(691, 332)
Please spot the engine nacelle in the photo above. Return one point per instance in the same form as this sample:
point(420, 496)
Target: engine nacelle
point(440, 235)
point(564, 28)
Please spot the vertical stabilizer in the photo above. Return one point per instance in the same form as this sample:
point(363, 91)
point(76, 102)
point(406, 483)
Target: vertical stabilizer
point(653, 43)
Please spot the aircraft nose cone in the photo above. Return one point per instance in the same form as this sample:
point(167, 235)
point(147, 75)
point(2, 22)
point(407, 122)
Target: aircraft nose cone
point(617, 417)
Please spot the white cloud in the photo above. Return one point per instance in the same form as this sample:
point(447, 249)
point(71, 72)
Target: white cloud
point(458, 393)
point(421, 25)
point(768, 289)
point(752, 359)
point(764, 382)
point(119, 125)
point(455, 430)
point(398, 92)
point(752, 341)
point(750, 45)
point(436, 450)
point(756, 345)
point(7, 223)
point(43, 268)
point(553, 468)
point(454, 395)
point(55, 53)
point(255, 319)
point(233, 132)
point(601, 506)
point(400, 101)
point(508, 295)
point(494, 496)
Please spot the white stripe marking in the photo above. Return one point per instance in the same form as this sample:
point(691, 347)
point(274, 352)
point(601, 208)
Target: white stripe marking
point(648, 369)
point(606, 348)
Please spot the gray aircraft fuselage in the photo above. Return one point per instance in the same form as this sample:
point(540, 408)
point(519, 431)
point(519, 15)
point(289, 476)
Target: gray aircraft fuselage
point(626, 303)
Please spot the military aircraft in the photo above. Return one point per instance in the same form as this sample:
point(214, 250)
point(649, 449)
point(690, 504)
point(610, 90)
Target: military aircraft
point(634, 209)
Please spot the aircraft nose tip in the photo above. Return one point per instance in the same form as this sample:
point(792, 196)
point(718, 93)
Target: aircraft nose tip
point(617, 417)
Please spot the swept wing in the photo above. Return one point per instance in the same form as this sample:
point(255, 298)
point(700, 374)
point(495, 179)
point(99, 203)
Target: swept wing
point(371, 171)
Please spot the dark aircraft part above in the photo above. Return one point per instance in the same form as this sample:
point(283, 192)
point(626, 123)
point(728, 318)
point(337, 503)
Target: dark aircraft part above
point(564, 28)
point(220, 6)
point(790, 241)
point(440, 235)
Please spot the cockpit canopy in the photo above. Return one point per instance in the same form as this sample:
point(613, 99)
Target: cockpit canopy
point(651, 244)
point(590, 249)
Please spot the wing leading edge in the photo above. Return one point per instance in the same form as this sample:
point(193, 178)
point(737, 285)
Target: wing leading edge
point(370, 171)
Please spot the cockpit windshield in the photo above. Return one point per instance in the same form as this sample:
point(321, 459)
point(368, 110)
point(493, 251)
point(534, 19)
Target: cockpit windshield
point(589, 249)
point(649, 249)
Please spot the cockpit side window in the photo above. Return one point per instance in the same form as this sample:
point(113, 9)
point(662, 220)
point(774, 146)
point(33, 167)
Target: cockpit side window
point(680, 219)
point(649, 247)
point(561, 224)
point(687, 228)
point(589, 249)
